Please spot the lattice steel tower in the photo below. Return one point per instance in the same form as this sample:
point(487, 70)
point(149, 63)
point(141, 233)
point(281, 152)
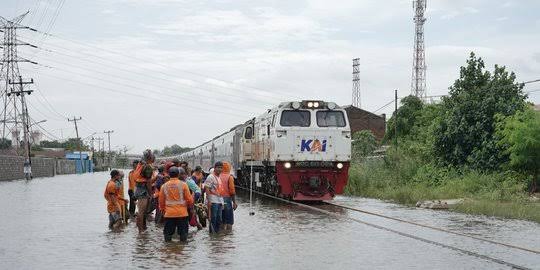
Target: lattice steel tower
point(356, 83)
point(14, 113)
point(418, 84)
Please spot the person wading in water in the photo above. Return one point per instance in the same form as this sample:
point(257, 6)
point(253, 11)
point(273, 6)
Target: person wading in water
point(114, 202)
point(175, 199)
point(131, 189)
point(213, 195)
point(145, 175)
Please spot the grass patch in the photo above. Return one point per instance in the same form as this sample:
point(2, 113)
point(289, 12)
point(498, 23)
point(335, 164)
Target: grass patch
point(517, 210)
point(501, 194)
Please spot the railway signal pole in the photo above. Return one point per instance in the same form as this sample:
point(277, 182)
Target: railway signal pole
point(108, 132)
point(74, 120)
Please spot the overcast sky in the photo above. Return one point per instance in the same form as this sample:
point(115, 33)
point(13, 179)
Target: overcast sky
point(162, 72)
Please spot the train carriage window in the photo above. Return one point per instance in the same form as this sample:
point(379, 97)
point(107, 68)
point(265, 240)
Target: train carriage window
point(248, 133)
point(295, 118)
point(330, 119)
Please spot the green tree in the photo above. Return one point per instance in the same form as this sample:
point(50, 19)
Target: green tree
point(363, 144)
point(5, 143)
point(51, 144)
point(174, 149)
point(410, 110)
point(465, 134)
point(72, 144)
point(520, 133)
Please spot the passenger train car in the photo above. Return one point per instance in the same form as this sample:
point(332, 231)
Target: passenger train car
point(297, 150)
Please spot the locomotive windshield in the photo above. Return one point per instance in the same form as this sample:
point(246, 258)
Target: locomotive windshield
point(295, 119)
point(330, 119)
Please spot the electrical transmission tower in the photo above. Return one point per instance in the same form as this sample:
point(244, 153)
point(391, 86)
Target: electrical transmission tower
point(418, 84)
point(14, 112)
point(356, 83)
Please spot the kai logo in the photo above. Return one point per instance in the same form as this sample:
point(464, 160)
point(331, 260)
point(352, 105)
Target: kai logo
point(313, 145)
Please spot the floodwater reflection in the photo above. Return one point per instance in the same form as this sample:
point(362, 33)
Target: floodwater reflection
point(61, 222)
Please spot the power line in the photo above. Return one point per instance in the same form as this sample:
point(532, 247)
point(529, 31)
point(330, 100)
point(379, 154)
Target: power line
point(165, 66)
point(174, 90)
point(150, 90)
point(150, 75)
point(163, 101)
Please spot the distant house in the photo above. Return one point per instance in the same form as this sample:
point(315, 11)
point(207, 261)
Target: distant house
point(363, 120)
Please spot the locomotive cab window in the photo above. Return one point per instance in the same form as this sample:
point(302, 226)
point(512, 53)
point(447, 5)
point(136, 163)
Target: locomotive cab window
point(295, 119)
point(248, 133)
point(330, 119)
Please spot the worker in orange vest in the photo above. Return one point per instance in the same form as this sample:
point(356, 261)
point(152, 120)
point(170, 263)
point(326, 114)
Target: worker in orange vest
point(174, 200)
point(145, 175)
point(131, 189)
point(228, 193)
point(114, 203)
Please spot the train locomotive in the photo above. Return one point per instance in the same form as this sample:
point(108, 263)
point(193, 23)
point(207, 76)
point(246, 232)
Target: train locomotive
point(298, 150)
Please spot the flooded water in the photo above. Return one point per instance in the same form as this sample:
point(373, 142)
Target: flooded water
point(61, 222)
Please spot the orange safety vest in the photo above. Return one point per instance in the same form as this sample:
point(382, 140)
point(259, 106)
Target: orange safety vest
point(224, 189)
point(174, 198)
point(131, 179)
point(219, 187)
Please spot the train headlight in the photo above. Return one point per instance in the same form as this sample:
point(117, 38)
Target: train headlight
point(295, 105)
point(339, 165)
point(316, 104)
point(287, 165)
point(310, 104)
point(331, 105)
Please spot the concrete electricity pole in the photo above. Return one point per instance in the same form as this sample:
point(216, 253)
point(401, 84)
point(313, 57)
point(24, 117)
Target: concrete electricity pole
point(25, 117)
point(100, 149)
point(74, 120)
point(109, 141)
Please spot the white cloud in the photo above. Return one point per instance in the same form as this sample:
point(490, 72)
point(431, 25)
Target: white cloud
point(245, 57)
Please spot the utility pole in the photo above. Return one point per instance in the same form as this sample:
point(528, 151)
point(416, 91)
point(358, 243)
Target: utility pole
point(25, 117)
point(108, 132)
point(356, 83)
point(99, 139)
point(395, 117)
point(418, 83)
point(92, 149)
point(74, 120)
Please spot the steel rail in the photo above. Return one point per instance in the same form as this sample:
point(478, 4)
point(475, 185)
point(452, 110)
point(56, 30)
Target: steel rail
point(425, 240)
point(435, 228)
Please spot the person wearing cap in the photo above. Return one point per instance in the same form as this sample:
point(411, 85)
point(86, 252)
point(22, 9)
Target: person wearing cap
point(131, 189)
point(174, 200)
point(228, 193)
point(213, 195)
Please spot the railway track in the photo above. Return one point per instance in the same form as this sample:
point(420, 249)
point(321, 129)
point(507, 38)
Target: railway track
point(408, 235)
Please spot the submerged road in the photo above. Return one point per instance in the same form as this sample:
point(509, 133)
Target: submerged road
point(61, 222)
